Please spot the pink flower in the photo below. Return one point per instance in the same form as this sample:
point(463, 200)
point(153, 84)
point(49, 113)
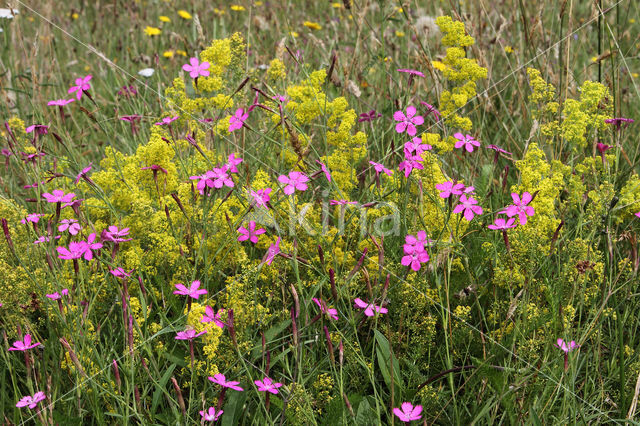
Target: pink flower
point(194, 291)
point(501, 224)
point(166, 121)
point(415, 253)
point(520, 207)
point(82, 85)
point(90, 246)
point(31, 401)
point(221, 380)
point(618, 121)
point(119, 272)
point(220, 177)
point(295, 180)
point(40, 129)
point(332, 313)
point(75, 251)
point(379, 168)
point(369, 309)
point(469, 206)
point(250, 234)
point(196, 69)
point(637, 214)
point(272, 252)
point(408, 122)
point(566, 348)
point(267, 385)
point(325, 170)
point(369, 116)
point(408, 412)
point(24, 344)
point(83, 173)
point(116, 235)
point(416, 148)
point(210, 316)
point(341, 202)
point(31, 217)
point(466, 141)
point(58, 296)
point(45, 239)
point(409, 164)
point(60, 102)
point(188, 334)
point(432, 110)
point(497, 149)
point(232, 162)
point(58, 196)
point(448, 188)
point(211, 415)
point(237, 120)
point(412, 72)
point(261, 197)
point(70, 225)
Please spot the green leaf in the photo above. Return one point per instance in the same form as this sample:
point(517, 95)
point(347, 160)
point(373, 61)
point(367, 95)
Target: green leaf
point(161, 387)
point(383, 352)
point(232, 410)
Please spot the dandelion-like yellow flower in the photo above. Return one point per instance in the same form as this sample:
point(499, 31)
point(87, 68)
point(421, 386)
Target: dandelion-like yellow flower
point(399, 33)
point(218, 12)
point(635, 74)
point(152, 31)
point(312, 25)
point(258, 3)
point(632, 21)
point(75, 16)
point(237, 8)
point(164, 18)
point(508, 49)
point(168, 54)
point(594, 59)
point(184, 14)
point(336, 5)
point(293, 34)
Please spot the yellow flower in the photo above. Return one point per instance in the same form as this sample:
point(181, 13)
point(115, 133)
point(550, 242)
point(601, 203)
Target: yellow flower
point(508, 49)
point(164, 18)
point(594, 59)
point(399, 9)
point(184, 14)
point(152, 31)
point(218, 12)
point(399, 33)
point(388, 59)
point(258, 3)
point(312, 25)
point(75, 15)
point(168, 54)
point(293, 34)
point(87, 68)
point(181, 52)
point(439, 65)
point(336, 5)
point(632, 21)
point(634, 74)
point(237, 8)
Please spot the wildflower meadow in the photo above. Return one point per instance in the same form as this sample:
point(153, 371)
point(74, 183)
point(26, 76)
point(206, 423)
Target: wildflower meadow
point(359, 212)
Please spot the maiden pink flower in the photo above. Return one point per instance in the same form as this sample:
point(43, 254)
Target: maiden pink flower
point(40, 129)
point(379, 168)
point(369, 309)
point(58, 296)
point(215, 317)
point(520, 208)
point(267, 385)
point(295, 180)
point(415, 148)
point(637, 214)
point(411, 72)
point(119, 272)
point(116, 235)
point(369, 116)
point(332, 313)
point(469, 206)
point(31, 401)
point(70, 225)
point(408, 412)
point(341, 202)
point(497, 149)
point(237, 120)
point(83, 173)
point(415, 253)
point(250, 234)
point(189, 334)
point(566, 347)
point(432, 110)
point(221, 380)
point(324, 170)
point(58, 196)
point(618, 121)
point(75, 251)
point(82, 85)
point(233, 162)
point(24, 344)
point(261, 197)
point(31, 217)
point(408, 122)
point(194, 291)
point(166, 121)
point(60, 102)
point(466, 141)
point(211, 415)
point(90, 246)
point(501, 224)
point(272, 252)
point(45, 239)
point(448, 188)
point(220, 177)
point(196, 69)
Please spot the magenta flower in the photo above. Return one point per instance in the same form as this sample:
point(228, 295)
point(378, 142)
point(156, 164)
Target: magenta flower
point(619, 121)
point(58, 296)
point(196, 69)
point(411, 72)
point(566, 348)
point(413, 162)
point(520, 207)
point(119, 272)
point(408, 412)
point(166, 121)
point(341, 202)
point(31, 217)
point(24, 344)
point(250, 234)
point(369, 116)
point(379, 168)
point(261, 197)
point(325, 170)
point(448, 188)
point(369, 309)
point(416, 148)
point(497, 149)
point(232, 162)
point(82, 85)
point(83, 173)
point(237, 120)
point(332, 313)
point(31, 401)
point(295, 180)
point(466, 141)
point(408, 122)
point(221, 380)
point(267, 385)
point(116, 235)
point(211, 415)
point(637, 214)
point(75, 251)
point(45, 239)
point(501, 224)
point(90, 246)
point(272, 252)
point(415, 253)
point(194, 291)
point(60, 102)
point(189, 334)
point(40, 129)
point(220, 177)
point(432, 110)
point(469, 206)
point(58, 196)
point(70, 225)
point(215, 317)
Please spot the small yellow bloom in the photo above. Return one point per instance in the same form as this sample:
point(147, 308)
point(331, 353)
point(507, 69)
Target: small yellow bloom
point(87, 68)
point(152, 31)
point(218, 12)
point(237, 8)
point(635, 74)
point(508, 49)
point(184, 14)
point(399, 33)
point(388, 59)
point(258, 3)
point(399, 9)
point(312, 25)
point(594, 59)
point(181, 52)
point(164, 18)
point(336, 5)
point(632, 21)
point(75, 15)
point(168, 54)
point(439, 65)
point(293, 34)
